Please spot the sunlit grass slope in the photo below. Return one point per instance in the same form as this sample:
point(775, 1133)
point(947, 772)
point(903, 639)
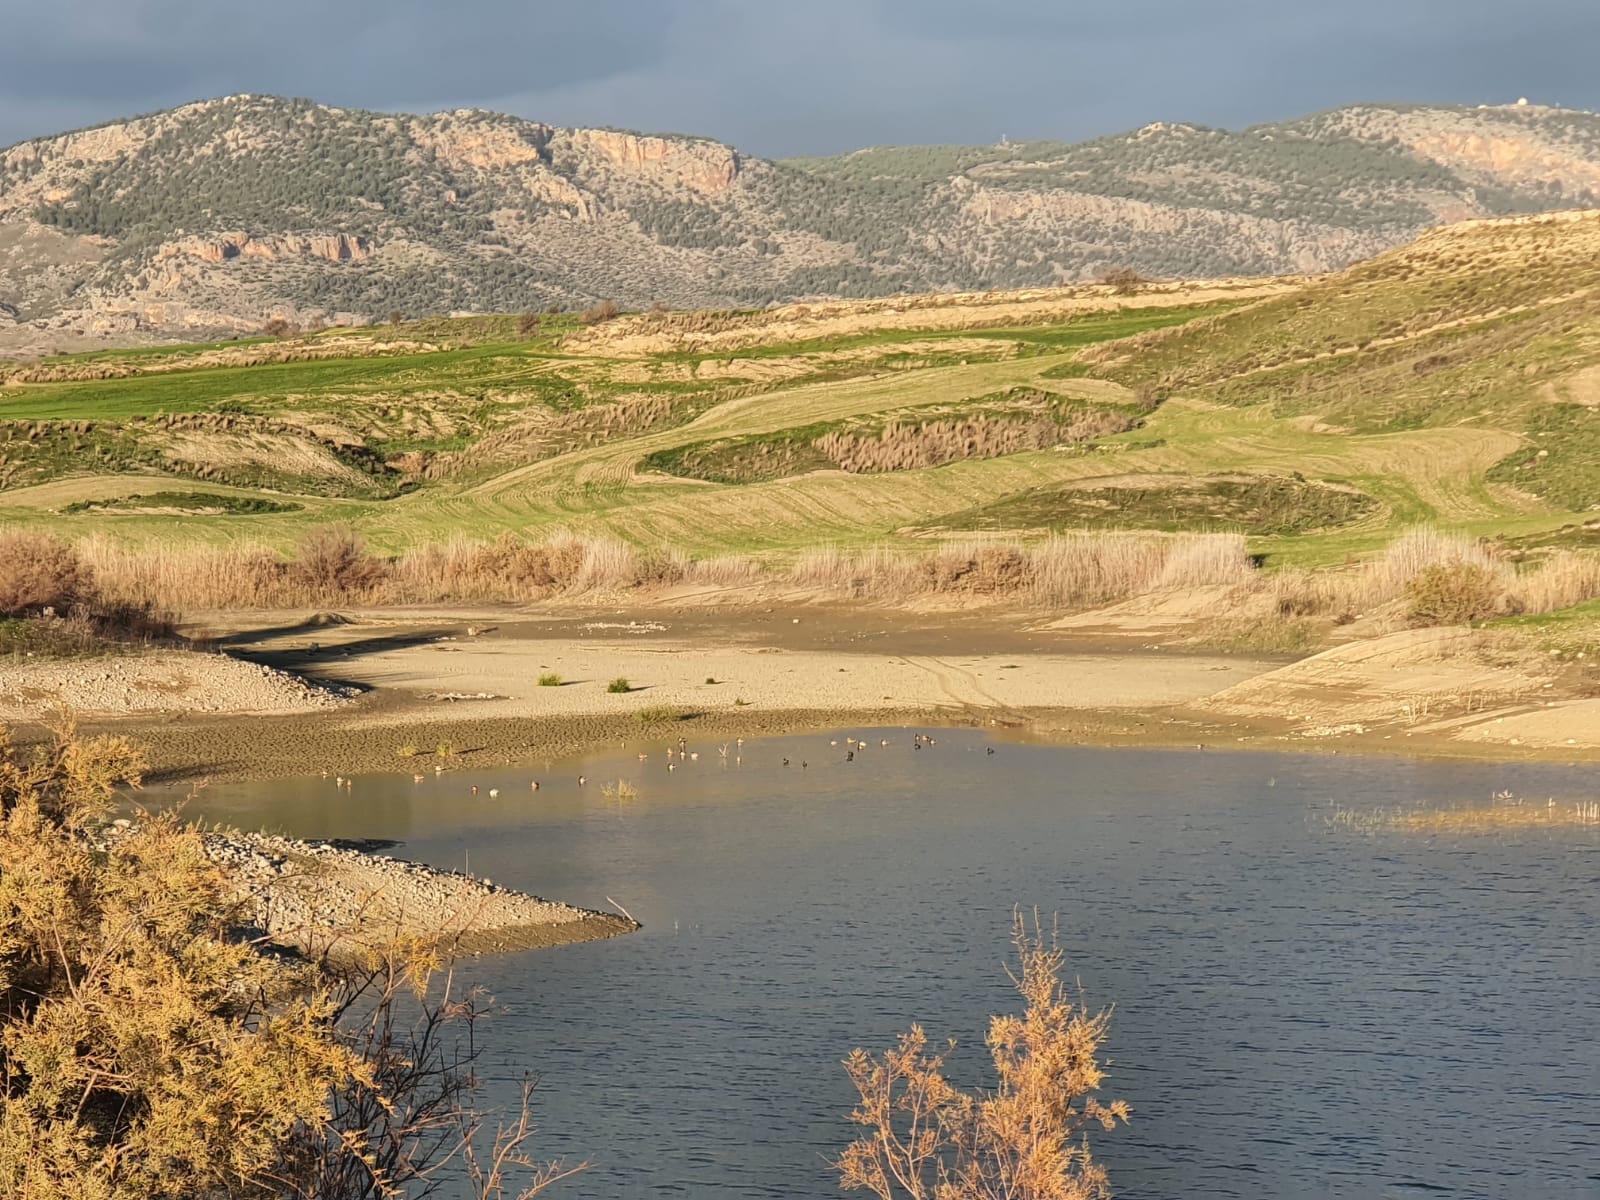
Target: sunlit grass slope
point(1454, 382)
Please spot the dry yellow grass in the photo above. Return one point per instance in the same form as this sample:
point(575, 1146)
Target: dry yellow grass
point(1506, 813)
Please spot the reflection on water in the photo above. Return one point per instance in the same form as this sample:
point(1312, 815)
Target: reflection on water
point(1301, 1011)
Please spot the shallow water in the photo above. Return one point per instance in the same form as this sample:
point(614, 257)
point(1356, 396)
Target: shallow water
point(1301, 1010)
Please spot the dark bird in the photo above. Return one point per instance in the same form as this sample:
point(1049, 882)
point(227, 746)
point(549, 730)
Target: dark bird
point(786, 762)
point(849, 756)
point(990, 750)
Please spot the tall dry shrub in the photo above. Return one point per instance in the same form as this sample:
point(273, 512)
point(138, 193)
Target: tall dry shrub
point(1024, 1139)
point(1454, 593)
point(145, 1050)
point(40, 572)
point(333, 559)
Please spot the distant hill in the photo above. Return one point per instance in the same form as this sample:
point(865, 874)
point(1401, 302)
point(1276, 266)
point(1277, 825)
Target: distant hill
point(218, 216)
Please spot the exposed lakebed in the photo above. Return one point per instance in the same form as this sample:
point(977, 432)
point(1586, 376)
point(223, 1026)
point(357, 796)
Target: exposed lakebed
point(1303, 1009)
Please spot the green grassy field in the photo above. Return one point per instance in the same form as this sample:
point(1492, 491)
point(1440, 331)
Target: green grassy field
point(1449, 383)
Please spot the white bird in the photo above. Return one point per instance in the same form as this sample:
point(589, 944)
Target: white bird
point(493, 792)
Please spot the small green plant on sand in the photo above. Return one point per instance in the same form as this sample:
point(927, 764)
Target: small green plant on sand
point(445, 750)
point(658, 713)
point(407, 751)
point(550, 679)
point(711, 679)
point(619, 685)
point(741, 702)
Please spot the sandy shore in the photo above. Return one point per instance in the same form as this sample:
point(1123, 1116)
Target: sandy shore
point(469, 681)
point(383, 692)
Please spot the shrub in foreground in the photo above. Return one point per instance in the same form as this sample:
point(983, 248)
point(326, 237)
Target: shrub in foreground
point(147, 1049)
point(926, 1139)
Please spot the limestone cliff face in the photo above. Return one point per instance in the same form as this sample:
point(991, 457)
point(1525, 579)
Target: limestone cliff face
point(335, 248)
point(464, 142)
point(704, 166)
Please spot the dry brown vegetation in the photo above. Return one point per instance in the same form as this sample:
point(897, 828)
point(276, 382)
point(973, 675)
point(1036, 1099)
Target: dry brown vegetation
point(905, 447)
point(1505, 813)
point(926, 1139)
point(51, 603)
point(1072, 569)
point(149, 1048)
point(1423, 578)
point(1440, 579)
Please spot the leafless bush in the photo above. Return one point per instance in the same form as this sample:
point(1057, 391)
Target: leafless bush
point(600, 313)
point(1124, 281)
point(40, 572)
point(333, 559)
point(414, 1115)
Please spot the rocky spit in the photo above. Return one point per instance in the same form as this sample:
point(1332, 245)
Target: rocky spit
point(332, 896)
point(159, 682)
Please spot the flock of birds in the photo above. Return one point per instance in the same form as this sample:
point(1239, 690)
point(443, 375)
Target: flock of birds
point(680, 753)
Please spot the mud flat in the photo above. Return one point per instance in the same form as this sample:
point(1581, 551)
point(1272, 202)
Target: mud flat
point(341, 899)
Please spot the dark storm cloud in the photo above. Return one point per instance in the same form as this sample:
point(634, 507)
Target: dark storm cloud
point(819, 77)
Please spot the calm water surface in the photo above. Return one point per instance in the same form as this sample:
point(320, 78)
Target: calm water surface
point(1301, 1011)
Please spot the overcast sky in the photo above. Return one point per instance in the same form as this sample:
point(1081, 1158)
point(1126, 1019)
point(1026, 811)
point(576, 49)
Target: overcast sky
point(815, 77)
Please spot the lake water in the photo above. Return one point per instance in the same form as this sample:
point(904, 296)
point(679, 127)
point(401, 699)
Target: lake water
point(1301, 1011)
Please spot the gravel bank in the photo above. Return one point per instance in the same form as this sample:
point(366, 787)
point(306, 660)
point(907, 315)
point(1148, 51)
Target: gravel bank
point(297, 890)
point(160, 682)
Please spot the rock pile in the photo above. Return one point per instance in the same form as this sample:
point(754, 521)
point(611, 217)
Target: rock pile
point(328, 895)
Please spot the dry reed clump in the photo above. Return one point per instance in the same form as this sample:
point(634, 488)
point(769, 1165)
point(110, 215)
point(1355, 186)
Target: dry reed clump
point(1066, 570)
point(1441, 579)
point(1506, 812)
point(906, 447)
point(238, 575)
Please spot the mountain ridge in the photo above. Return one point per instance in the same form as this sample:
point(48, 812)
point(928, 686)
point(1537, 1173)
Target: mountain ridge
point(221, 215)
